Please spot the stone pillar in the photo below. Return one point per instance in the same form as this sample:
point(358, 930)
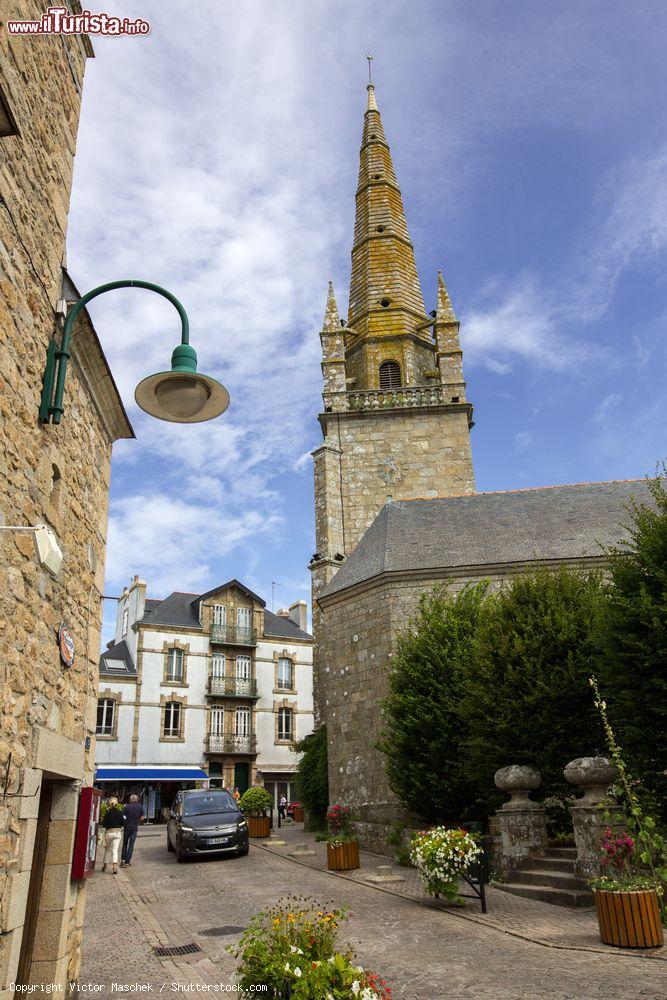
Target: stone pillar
point(523, 826)
point(594, 775)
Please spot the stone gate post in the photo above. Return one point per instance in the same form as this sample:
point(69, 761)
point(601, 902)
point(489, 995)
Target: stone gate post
point(594, 775)
point(523, 827)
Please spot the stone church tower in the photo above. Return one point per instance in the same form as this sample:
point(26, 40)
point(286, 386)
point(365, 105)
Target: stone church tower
point(396, 421)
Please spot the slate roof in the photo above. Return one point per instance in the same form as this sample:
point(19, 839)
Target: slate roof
point(182, 610)
point(482, 529)
point(231, 583)
point(121, 654)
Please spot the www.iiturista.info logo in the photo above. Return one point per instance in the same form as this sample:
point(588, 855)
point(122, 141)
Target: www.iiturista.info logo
point(59, 21)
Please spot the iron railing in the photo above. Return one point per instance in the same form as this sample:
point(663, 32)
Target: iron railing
point(231, 743)
point(232, 687)
point(233, 635)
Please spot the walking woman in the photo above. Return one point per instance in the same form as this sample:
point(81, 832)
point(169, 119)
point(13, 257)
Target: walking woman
point(113, 824)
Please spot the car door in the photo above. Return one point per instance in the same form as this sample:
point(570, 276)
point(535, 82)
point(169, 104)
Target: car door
point(172, 824)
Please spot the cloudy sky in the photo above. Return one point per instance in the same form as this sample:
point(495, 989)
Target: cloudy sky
point(218, 156)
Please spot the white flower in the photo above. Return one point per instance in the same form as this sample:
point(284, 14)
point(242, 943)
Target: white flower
point(297, 972)
point(287, 969)
point(293, 948)
point(332, 959)
point(356, 986)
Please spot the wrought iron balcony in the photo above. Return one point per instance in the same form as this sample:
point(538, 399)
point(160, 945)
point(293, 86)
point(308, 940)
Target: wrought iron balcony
point(233, 635)
point(231, 743)
point(232, 687)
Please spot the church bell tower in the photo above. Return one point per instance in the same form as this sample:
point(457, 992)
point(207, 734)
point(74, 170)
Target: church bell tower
point(395, 420)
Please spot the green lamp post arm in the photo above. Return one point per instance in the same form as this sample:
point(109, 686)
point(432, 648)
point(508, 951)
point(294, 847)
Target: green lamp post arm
point(56, 359)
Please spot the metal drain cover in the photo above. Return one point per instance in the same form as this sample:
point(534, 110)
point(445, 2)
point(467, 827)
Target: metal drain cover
point(179, 949)
point(222, 931)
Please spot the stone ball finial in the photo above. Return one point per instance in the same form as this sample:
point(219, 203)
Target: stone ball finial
point(592, 774)
point(518, 780)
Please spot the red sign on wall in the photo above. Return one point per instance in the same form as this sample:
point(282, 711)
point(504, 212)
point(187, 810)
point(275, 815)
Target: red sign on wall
point(85, 839)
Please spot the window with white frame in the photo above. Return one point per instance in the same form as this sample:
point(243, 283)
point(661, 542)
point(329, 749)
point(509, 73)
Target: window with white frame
point(106, 708)
point(243, 621)
point(243, 668)
point(126, 615)
point(242, 723)
point(285, 673)
point(217, 721)
point(285, 724)
point(218, 665)
point(172, 719)
point(219, 615)
point(175, 665)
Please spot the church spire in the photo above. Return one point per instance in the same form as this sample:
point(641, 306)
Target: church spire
point(331, 318)
point(385, 294)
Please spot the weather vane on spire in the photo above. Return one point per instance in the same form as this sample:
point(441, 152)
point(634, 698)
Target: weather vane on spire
point(370, 76)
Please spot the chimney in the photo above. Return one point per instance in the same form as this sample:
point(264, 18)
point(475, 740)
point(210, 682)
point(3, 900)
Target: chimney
point(298, 612)
point(283, 613)
point(138, 590)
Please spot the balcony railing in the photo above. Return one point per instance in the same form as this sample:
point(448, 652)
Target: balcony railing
point(233, 635)
point(232, 687)
point(231, 743)
point(381, 399)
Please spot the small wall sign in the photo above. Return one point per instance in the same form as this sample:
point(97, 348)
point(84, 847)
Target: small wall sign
point(66, 645)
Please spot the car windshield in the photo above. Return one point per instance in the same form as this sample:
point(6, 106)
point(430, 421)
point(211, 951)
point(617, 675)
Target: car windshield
point(217, 802)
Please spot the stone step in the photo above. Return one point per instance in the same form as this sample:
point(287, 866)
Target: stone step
point(547, 894)
point(545, 877)
point(561, 852)
point(551, 864)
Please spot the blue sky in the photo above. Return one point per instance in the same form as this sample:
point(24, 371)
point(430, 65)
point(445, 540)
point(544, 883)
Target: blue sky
point(218, 156)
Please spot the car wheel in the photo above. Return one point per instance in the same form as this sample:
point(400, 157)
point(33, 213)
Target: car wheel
point(180, 857)
point(170, 846)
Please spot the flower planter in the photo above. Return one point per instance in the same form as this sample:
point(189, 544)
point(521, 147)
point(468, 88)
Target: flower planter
point(297, 815)
point(629, 919)
point(343, 857)
point(259, 826)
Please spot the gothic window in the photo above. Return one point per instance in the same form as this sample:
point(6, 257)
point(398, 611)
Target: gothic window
point(106, 708)
point(172, 719)
point(8, 124)
point(285, 679)
point(174, 666)
point(284, 723)
point(390, 375)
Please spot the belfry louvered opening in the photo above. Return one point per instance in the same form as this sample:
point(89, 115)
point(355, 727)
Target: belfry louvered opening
point(390, 375)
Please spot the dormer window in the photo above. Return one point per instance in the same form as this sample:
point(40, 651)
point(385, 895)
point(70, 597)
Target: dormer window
point(390, 375)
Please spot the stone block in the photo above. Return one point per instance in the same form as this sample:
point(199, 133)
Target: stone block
point(51, 936)
point(31, 781)
point(14, 900)
point(58, 890)
point(65, 802)
point(10, 950)
point(60, 842)
point(51, 971)
point(57, 755)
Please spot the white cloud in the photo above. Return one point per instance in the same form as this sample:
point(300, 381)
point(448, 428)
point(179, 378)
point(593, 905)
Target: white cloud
point(606, 408)
point(522, 440)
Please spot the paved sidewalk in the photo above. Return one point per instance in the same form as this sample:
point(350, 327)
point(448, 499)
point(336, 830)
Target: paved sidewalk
point(531, 920)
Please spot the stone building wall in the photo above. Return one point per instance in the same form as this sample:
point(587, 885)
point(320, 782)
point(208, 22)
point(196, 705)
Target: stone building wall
point(53, 474)
point(358, 634)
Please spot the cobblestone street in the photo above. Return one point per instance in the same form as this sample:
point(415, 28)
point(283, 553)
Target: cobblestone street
point(425, 953)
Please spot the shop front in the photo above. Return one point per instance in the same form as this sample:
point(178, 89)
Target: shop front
point(156, 786)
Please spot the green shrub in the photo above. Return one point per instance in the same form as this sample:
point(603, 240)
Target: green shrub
point(256, 802)
point(312, 779)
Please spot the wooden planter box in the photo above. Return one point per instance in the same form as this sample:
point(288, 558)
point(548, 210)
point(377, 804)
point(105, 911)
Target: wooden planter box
point(343, 857)
point(297, 815)
point(629, 919)
point(259, 826)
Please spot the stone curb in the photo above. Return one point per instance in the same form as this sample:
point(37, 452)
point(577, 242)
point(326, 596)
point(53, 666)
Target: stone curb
point(609, 951)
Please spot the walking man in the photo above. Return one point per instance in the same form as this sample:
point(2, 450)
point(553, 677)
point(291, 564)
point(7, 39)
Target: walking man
point(282, 806)
point(133, 815)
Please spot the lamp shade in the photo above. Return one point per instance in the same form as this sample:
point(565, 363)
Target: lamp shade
point(182, 397)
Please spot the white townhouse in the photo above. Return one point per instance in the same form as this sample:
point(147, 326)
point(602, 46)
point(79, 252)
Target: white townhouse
point(202, 687)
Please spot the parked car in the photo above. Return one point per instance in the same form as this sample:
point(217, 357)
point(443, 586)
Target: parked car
point(291, 806)
point(206, 821)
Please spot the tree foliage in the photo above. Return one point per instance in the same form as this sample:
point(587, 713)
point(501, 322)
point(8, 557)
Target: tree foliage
point(424, 731)
point(312, 779)
point(632, 665)
point(527, 697)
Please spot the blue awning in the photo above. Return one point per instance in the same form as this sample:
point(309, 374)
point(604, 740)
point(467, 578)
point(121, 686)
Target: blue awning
point(150, 774)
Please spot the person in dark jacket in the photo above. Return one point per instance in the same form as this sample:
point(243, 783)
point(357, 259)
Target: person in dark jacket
point(133, 815)
point(113, 824)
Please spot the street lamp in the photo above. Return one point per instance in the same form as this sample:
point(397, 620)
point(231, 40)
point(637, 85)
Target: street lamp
point(182, 395)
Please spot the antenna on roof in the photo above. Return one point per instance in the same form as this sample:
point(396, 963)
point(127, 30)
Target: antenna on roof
point(274, 584)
